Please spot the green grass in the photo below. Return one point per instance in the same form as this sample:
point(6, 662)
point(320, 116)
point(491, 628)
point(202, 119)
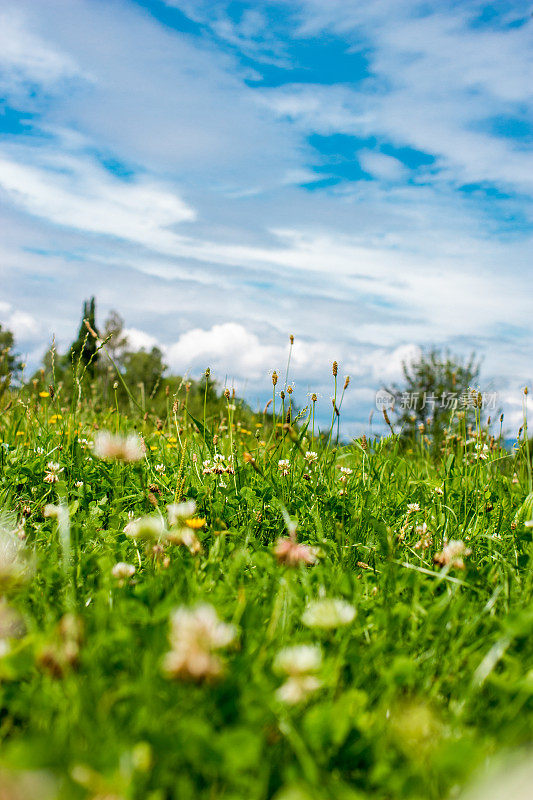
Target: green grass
point(433, 675)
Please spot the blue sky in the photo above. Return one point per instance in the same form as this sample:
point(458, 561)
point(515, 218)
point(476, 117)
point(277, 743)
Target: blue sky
point(228, 173)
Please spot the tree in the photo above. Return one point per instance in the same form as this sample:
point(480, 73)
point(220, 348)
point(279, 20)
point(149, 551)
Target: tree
point(84, 348)
point(113, 333)
point(143, 370)
point(433, 384)
point(10, 363)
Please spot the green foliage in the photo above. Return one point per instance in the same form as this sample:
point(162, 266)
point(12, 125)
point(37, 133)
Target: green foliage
point(143, 370)
point(429, 679)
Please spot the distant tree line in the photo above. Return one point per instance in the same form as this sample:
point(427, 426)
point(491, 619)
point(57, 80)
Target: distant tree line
point(102, 362)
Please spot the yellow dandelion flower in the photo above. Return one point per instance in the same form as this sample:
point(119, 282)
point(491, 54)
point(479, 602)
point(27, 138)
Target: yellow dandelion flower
point(195, 524)
point(44, 394)
point(19, 433)
point(153, 447)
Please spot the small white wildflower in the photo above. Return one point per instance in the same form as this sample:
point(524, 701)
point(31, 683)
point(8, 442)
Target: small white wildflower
point(311, 457)
point(412, 508)
point(123, 448)
point(482, 451)
point(284, 466)
point(328, 613)
point(299, 659)
point(53, 472)
point(296, 689)
point(452, 554)
point(194, 636)
point(160, 468)
point(122, 571)
point(149, 528)
point(180, 512)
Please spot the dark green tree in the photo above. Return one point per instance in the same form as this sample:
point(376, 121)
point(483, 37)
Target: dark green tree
point(84, 348)
point(10, 363)
point(433, 384)
point(143, 371)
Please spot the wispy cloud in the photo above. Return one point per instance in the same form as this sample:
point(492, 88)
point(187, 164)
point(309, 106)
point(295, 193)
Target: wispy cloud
point(27, 60)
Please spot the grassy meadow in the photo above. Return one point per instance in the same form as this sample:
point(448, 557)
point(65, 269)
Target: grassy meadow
point(232, 606)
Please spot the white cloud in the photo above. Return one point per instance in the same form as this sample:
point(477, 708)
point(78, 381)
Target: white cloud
point(381, 166)
point(229, 349)
point(389, 366)
point(24, 326)
point(74, 192)
point(139, 340)
point(25, 58)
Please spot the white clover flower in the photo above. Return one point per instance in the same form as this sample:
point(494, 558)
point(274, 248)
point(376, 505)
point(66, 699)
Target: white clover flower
point(180, 512)
point(185, 537)
point(122, 571)
point(452, 554)
point(53, 472)
point(194, 636)
point(149, 528)
point(298, 659)
point(284, 466)
point(311, 457)
point(296, 689)
point(288, 551)
point(115, 446)
point(482, 451)
point(328, 613)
